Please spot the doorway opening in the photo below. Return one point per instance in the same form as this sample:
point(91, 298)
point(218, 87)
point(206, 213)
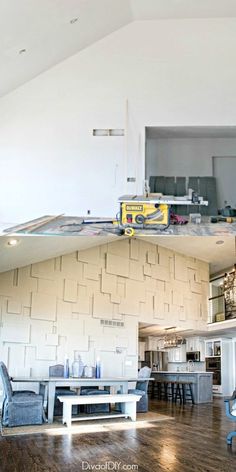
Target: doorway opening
point(224, 171)
point(199, 157)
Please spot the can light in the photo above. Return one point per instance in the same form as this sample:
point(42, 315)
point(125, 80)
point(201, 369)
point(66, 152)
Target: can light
point(13, 242)
point(74, 20)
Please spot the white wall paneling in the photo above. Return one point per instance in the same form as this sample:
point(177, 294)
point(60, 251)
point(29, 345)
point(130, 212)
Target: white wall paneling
point(58, 311)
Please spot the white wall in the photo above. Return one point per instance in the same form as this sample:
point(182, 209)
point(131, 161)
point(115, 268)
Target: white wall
point(176, 72)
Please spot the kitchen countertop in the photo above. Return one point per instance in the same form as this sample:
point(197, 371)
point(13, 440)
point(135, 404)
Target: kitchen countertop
point(180, 372)
point(201, 382)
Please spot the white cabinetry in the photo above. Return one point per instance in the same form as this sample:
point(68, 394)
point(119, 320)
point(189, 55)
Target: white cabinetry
point(154, 343)
point(177, 354)
point(219, 360)
point(196, 343)
point(141, 350)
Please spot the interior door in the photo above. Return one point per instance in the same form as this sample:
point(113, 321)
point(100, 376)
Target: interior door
point(224, 169)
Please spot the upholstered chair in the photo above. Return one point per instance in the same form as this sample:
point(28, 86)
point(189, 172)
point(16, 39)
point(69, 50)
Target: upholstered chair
point(21, 407)
point(98, 407)
point(140, 389)
point(58, 371)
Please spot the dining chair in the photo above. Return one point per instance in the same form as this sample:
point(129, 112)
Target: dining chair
point(58, 371)
point(20, 407)
point(97, 407)
point(140, 389)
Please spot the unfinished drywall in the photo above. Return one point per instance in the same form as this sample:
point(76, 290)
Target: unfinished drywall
point(91, 301)
point(153, 73)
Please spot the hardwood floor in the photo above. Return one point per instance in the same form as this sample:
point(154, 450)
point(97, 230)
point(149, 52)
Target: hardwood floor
point(193, 442)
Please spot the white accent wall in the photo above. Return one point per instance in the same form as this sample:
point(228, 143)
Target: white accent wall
point(171, 72)
point(53, 308)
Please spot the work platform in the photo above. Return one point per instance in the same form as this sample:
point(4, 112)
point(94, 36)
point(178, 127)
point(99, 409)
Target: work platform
point(73, 226)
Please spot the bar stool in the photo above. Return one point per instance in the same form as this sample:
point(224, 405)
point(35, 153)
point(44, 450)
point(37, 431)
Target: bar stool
point(157, 389)
point(170, 389)
point(187, 391)
point(154, 389)
point(165, 389)
point(177, 394)
point(170, 393)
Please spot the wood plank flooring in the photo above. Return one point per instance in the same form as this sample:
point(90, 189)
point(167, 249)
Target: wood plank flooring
point(193, 442)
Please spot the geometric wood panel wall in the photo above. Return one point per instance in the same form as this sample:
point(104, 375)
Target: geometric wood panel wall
point(54, 308)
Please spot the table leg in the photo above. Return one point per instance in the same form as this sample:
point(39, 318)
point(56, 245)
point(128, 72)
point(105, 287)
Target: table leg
point(51, 401)
point(123, 389)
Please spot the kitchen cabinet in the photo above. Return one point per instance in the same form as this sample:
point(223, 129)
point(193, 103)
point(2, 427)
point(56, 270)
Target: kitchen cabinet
point(196, 343)
point(219, 360)
point(152, 343)
point(141, 350)
point(213, 348)
point(177, 354)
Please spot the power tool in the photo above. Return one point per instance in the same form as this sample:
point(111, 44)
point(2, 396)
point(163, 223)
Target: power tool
point(151, 211)
point(225, 219)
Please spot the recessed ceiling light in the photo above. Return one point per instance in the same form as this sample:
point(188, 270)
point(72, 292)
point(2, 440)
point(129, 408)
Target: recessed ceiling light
point(73, 20)
point(13, 242)
point(22, 51)
point(220, 242)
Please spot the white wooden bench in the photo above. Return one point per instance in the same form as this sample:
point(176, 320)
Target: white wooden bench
point(127, 399)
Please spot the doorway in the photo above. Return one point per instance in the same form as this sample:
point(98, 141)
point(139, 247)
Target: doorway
point(224, 170)
point(179, 156)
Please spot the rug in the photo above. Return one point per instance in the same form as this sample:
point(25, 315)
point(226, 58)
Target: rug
point(88, 426)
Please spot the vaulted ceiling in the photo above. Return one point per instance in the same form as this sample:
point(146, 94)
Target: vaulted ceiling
point(36, 35)
point(31, 249)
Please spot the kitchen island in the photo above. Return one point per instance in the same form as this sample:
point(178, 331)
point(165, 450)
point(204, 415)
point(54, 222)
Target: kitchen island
point(201, 382)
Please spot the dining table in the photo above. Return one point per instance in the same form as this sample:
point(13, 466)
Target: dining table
point(49, 384)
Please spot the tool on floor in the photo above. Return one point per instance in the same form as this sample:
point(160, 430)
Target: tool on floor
point(177, 219)
point(228, 211)
point(224, 219)
point(148, 211)
point(152, 211)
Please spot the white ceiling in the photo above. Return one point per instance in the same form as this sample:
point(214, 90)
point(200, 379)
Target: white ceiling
point(43, 28)
point(205, 248)
point(37, 248)
point(159, 9)
point(33, 249)
point(146, 329)
point(225, 328)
